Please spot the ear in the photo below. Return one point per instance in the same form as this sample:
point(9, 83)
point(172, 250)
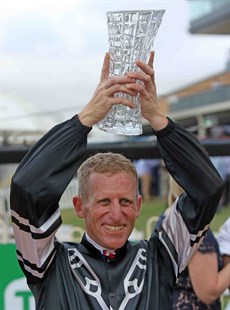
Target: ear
point(78, 206)
point(139, 203)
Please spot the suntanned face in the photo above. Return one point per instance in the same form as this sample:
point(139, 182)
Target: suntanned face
point(111, 208)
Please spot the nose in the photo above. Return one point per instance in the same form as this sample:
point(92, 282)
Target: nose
point(116, 212)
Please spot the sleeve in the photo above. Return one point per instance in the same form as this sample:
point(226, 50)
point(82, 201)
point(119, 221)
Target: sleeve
point(36, 189)
point(184, 227)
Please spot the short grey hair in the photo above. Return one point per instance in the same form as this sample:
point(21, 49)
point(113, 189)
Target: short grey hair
point(103, 163)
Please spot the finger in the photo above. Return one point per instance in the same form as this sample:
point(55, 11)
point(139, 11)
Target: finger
point(148, 81)
point(137, 87)
point(145, 67)
point(118, 80)
point(140, 76)
point(121, 89)
point(151, 59)
point(125, 102)
point(105, 68)
point(153, 80)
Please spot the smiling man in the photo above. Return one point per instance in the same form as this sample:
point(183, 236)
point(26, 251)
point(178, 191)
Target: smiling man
point(105, 270)
point(109, 211)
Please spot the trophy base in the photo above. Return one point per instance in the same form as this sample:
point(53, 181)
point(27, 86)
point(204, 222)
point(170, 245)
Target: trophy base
point(122, 120)
point(124, 130)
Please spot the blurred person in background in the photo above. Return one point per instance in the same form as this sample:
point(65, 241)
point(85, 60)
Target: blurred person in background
point(205, 279)
point(224, 241)
point(224, 245)
point(222, 164)
point(147, 171)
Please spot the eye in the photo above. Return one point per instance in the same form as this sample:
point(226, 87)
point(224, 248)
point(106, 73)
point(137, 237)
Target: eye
point(125, 202)
point(104, 202)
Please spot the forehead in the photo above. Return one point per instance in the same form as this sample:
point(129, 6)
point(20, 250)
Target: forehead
point(121, 184)
point(110, 179)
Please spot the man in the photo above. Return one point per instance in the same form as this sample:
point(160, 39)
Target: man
point(129, 276)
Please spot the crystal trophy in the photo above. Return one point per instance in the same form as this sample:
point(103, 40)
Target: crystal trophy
point(131, 37)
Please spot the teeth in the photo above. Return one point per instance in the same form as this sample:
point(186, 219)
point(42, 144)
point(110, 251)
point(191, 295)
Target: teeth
point(113, 228)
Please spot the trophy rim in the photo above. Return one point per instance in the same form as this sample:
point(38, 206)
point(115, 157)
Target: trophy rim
point(136, 11)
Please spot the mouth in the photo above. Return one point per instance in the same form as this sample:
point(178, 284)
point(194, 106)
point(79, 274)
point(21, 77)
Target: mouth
point(114, 227)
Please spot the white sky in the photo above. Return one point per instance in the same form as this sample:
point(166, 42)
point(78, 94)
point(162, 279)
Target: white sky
point(52, 51)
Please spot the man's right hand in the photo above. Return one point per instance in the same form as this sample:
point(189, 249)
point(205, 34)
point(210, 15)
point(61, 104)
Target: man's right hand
point(103, 98)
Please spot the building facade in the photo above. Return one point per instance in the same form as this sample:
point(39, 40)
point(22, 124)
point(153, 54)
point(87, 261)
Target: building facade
point(204, 106)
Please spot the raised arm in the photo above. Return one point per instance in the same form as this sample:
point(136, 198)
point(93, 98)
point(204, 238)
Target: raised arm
point(183, 155)
point(190, 166)
point(36, 189)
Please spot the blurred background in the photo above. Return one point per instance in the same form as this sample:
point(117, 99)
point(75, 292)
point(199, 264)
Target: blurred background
point(52, 53)
point(51, 57)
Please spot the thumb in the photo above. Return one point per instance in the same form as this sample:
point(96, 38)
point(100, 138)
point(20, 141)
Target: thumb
point(105, 68)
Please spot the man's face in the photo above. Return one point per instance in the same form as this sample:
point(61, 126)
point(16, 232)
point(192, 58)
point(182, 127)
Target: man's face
point(111, 208)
